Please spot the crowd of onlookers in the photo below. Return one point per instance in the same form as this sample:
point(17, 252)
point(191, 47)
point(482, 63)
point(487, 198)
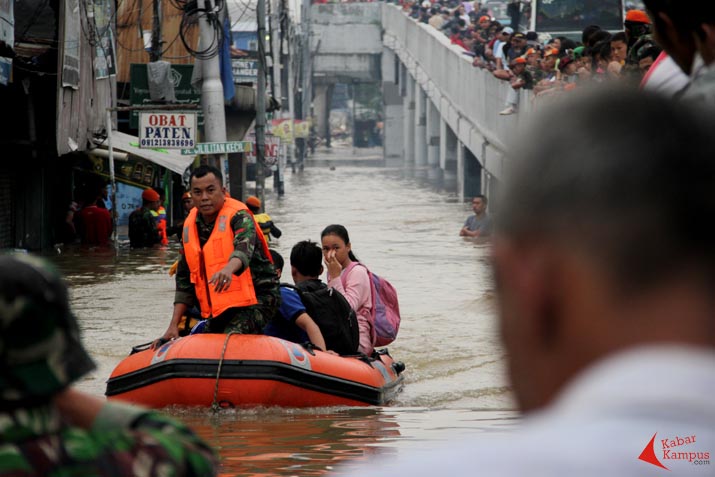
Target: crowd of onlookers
point(545, 65)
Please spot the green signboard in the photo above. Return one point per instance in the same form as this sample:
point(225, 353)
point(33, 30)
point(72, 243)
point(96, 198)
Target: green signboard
point(184, 92)
point(230, 147)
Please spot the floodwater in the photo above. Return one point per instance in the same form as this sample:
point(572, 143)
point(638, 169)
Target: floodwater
point(403, 229)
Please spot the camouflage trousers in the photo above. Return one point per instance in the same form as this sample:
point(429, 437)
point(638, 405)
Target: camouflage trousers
point(249, 320)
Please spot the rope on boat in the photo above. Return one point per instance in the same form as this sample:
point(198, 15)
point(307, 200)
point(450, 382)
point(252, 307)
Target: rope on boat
point(215, 407)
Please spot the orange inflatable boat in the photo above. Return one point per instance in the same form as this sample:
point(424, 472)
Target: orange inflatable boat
point(252, 370)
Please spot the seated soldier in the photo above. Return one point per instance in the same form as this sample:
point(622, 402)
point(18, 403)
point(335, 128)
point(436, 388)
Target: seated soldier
point(311, 311)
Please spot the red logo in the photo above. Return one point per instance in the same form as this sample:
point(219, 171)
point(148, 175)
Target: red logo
point(677, 448)
point(648, 454)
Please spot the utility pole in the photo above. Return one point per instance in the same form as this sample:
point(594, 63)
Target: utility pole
point(156, 42)
point(261, 101)
point(275, 15)
point(274, 26)
point(286, 106)
point(211, 86)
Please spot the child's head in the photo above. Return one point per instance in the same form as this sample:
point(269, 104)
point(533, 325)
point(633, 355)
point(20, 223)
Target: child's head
point(335, 237)
point(306, 257)
point(278, 262)
point(619, 47)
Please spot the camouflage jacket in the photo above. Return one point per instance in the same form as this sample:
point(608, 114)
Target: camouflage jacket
point(143, 231)
point(247, 248)
point(123, 441)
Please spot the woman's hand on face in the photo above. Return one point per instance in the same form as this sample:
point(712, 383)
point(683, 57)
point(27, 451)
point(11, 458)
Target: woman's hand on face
point(333, 265)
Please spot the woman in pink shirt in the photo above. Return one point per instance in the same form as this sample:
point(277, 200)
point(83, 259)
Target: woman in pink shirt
point(352, 280)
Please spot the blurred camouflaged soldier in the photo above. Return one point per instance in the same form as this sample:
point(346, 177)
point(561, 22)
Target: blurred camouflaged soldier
point(49, 429)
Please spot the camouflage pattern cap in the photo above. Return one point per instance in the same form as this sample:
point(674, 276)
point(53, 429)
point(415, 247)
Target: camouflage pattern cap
point(40, 348)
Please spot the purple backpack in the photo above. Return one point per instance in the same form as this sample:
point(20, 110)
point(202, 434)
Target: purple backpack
point(385, 309)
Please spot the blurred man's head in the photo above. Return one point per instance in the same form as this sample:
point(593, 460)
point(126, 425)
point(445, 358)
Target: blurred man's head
point(40, 349)
point(603, 241)
point(674, 22)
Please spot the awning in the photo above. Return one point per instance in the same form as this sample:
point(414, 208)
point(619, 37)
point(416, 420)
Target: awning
point(172, 159)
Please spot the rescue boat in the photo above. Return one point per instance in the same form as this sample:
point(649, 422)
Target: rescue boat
point(252, 370)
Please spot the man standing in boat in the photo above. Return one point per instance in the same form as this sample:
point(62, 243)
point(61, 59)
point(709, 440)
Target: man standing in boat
point(225, 265)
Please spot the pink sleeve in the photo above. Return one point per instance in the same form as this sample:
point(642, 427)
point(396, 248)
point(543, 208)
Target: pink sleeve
point(355, 287)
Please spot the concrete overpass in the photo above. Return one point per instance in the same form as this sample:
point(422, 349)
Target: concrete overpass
point(441, 114)
point(346, 47)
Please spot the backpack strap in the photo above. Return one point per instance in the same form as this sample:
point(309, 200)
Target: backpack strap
point(373, 291)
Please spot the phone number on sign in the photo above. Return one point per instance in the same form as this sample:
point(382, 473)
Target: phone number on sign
point(167, 142)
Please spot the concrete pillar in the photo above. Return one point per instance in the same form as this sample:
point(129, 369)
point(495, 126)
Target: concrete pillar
point(393, 129)
point(409, 119)
point(420, 127)
point(402, 79)
point(460, 169)
point(321, 106)
point(433, 142)
point(448, 156)
point(490, 188)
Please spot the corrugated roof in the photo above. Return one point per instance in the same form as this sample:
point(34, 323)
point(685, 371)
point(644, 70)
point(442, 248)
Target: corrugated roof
point(172, 159)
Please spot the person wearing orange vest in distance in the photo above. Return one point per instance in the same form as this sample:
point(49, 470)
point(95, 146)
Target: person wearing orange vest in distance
point(225, 266)
point(160, 217)
point(264, 220)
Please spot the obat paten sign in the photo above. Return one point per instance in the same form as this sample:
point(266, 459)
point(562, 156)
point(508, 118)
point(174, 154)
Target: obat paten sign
point(167, 130)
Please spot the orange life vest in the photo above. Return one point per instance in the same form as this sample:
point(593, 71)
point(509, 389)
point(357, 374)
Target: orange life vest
point(160, 216)
point(204, 262)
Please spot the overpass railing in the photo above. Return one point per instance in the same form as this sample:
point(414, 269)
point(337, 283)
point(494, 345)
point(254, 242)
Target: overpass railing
point(468, 98)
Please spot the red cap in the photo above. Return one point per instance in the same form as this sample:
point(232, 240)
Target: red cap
point(484, 18)
point(637, 16)
point(253, 201)
point(519, 60)
point(150, 194)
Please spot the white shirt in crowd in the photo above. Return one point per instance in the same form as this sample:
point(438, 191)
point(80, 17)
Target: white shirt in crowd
point(600, 425)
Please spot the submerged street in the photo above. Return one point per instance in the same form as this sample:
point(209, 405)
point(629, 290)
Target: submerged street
point(402, 228)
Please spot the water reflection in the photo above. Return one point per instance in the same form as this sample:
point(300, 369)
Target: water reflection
point(294, 442)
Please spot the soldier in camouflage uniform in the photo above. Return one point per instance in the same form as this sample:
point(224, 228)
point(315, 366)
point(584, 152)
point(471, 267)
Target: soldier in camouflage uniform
point(209, 196)
point(49, 429)
point(637, 27)
point(143, 231)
